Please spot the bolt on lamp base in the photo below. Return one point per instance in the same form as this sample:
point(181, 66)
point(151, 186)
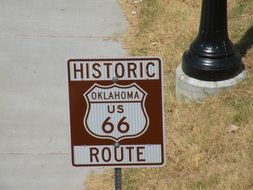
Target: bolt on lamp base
point(191, 89)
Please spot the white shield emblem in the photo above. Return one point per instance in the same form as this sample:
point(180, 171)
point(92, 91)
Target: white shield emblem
point(116, 112)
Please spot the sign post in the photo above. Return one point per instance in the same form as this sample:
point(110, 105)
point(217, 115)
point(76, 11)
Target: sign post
point(118, 181)
point(116, 113)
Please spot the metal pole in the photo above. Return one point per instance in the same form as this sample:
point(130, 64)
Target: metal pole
point(212, 56)
point(118, 180)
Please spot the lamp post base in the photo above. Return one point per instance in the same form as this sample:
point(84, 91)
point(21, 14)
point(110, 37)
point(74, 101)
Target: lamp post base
point(191, 89)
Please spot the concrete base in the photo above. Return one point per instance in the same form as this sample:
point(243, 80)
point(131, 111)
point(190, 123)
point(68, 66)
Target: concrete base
point(188, 88)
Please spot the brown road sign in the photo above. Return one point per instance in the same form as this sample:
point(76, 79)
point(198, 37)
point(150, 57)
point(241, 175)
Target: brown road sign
point(116, 112)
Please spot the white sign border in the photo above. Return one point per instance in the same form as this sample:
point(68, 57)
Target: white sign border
point(163, 119)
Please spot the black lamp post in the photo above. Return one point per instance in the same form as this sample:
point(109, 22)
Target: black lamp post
point(212, 56)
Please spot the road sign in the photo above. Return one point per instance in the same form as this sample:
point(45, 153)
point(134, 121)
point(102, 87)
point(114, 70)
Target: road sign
point(116, 112)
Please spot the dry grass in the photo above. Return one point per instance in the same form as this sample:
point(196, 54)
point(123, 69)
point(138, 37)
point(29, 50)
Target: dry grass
point(202, 153)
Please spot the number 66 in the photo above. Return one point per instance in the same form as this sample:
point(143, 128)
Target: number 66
point(122, 126)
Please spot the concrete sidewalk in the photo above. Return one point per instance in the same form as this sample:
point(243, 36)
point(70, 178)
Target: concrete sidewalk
point(36, 40)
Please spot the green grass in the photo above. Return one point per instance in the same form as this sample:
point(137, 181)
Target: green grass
point(243, 110)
